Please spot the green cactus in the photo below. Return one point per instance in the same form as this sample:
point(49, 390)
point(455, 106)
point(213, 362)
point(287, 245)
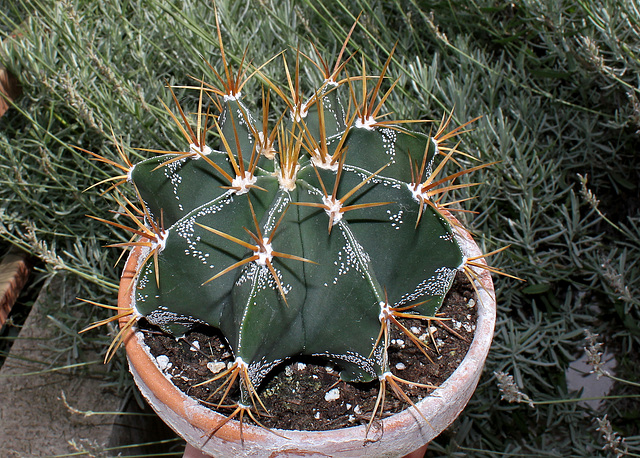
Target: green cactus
point(310, 239)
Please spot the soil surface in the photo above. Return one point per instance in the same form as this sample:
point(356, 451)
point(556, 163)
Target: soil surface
point(305, 393)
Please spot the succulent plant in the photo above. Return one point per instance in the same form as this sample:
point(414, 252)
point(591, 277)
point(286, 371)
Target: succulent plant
point(311, 237)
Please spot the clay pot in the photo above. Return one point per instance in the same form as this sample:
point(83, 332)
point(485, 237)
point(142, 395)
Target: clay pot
point(401, 434)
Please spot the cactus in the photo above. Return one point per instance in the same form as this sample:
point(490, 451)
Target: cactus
point(311, 238)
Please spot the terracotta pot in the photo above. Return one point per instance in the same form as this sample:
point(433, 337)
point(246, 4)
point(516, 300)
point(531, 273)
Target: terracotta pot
point(401, 434)
point(9, 90)
point(15, 268)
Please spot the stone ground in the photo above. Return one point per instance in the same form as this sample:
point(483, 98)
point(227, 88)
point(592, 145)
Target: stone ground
point(35, 421)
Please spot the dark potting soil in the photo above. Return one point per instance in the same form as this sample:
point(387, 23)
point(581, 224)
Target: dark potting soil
point(306, 393)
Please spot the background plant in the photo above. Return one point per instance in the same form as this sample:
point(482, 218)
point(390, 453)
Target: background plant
point(557, 86)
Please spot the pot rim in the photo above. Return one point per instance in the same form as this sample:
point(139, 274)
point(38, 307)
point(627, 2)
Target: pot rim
point(402, 432)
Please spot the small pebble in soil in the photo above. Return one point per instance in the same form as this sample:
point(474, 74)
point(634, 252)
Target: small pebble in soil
point(332, 395)
point(163, 362)
point(400, 366)
point(216, 367)
point(195, 346)
point(471, 304)
point(415, 330)
point(398, 342)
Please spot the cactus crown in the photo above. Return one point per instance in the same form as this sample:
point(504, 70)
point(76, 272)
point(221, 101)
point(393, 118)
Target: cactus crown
point(310, 237)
